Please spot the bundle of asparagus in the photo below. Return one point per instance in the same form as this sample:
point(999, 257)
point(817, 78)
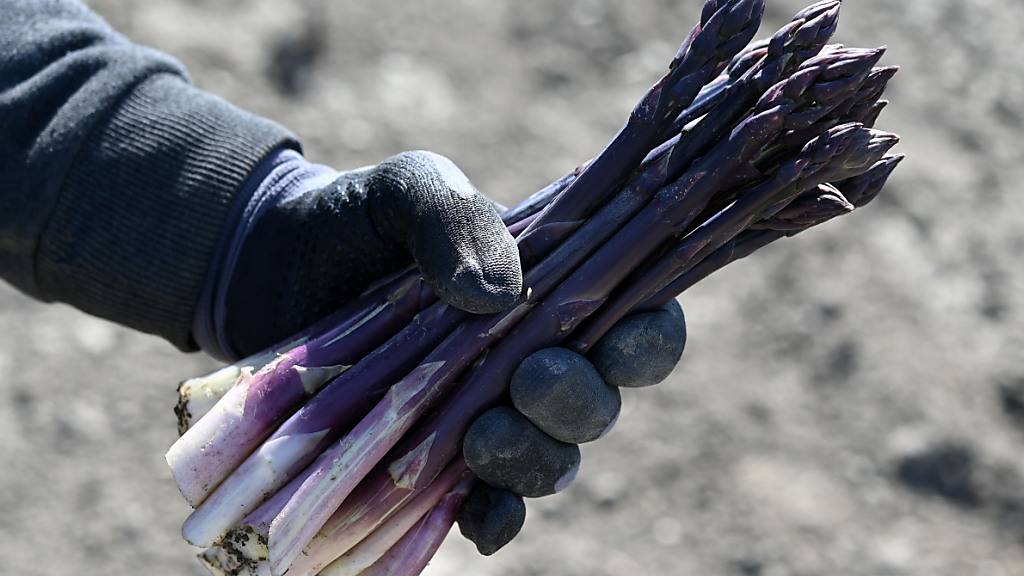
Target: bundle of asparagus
point(348, 449)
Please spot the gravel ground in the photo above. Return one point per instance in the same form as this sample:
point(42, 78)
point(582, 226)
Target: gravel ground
point(851, 402)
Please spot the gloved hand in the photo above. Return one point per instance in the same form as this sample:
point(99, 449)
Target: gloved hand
point(559, 399)
point(310, 238)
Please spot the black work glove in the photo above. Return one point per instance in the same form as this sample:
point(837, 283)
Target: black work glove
point(559, 399)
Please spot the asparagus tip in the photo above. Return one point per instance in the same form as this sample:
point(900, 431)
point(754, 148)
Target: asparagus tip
point(876, 110)
point(866, 187)
point(884, 168)
point(881, 142)
point(893, 160)
point(733, 17)
point(828, 9)
point(887, 71)
point(818, 8)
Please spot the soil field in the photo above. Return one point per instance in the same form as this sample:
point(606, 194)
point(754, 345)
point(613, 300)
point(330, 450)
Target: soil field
point(851, 402)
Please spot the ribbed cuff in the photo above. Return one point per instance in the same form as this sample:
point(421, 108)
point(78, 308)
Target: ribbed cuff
point(281, 176)
point(146, 202)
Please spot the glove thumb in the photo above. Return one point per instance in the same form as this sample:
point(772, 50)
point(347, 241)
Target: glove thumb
point(423, 202)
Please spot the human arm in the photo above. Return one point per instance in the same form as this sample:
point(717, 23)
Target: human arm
point(117, 176)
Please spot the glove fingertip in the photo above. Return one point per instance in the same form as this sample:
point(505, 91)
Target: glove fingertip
point(491, 517)
point(562, 393)
point(425, 203)
point(642, 349)
point(506, 450)
point(483, 287)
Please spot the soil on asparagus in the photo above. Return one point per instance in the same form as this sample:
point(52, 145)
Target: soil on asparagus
point(849, 401)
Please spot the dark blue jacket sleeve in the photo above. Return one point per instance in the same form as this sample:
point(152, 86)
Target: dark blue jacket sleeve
point(117, 176)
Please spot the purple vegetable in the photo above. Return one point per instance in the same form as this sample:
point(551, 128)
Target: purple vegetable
point(767, 149)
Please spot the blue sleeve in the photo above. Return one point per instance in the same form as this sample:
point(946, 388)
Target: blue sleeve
point(117, 176)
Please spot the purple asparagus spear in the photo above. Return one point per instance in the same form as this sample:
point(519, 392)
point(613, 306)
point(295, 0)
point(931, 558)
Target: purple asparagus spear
point(539, 199)
point(849, 71)
point(787, 51)
point(809, 207)
point(710, 243)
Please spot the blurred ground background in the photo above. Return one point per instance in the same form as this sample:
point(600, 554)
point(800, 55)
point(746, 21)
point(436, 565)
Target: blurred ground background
point(851, 402)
